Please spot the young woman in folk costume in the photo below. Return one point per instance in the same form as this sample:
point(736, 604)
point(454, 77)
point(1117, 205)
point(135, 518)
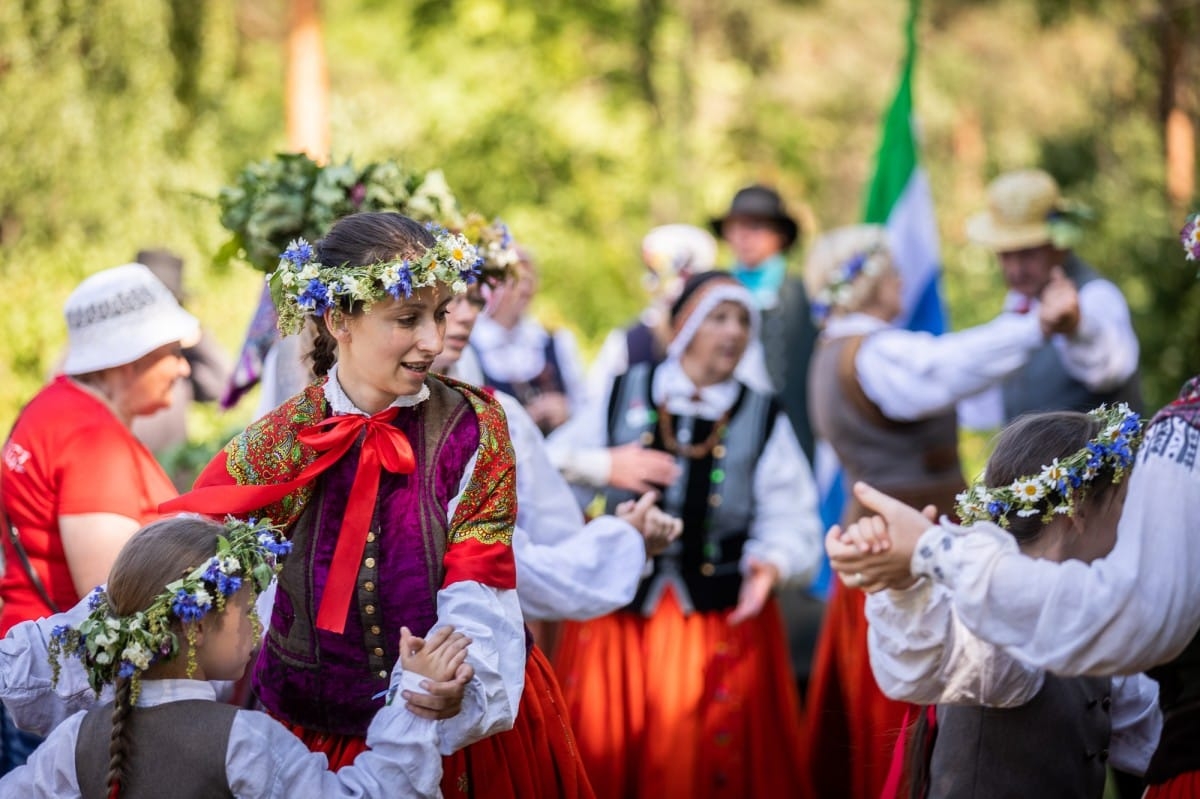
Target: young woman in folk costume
point(397, 489)
point(688, 690)
point(1056, 482)
point(177, 612)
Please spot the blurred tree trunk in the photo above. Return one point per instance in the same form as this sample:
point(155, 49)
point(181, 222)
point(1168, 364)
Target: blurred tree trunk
point(1176, 50)
point(307, 98)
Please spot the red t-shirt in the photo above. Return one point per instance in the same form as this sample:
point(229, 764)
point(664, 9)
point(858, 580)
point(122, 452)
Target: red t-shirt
point(67, 454)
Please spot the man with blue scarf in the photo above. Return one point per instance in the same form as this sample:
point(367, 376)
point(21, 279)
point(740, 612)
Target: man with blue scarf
point(760, 232)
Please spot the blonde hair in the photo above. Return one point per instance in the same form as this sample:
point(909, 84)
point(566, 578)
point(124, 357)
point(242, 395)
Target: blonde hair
point(828, 258)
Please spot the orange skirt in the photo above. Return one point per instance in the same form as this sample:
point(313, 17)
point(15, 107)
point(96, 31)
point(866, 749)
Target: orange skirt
point(536, 758)
point(853, 727)
point(683, 706)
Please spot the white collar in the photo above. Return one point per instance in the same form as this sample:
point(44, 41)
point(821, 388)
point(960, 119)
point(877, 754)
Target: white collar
point(853, 324)
point(673, 388)
point(340, 403)
point(160, 692)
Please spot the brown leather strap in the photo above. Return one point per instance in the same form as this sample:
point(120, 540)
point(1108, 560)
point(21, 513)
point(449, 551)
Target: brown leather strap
point(847, 375)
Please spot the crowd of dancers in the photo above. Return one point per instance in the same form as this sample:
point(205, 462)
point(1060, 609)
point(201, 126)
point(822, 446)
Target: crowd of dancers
point(483, 571)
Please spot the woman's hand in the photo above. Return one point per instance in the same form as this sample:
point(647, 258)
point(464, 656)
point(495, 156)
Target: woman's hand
point(658, 529)
point(635, 468)
point(442, 656)
point(756, 587)
point(876, 552)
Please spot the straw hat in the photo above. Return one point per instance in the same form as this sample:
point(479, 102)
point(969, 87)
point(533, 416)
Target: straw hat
point(118, 315)
point(1020, 206)
point(760, 202)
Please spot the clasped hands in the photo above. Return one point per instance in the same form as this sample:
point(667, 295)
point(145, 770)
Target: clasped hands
point(876, 551)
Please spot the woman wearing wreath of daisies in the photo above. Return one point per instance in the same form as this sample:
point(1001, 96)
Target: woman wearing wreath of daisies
point(884, 399)
point(1138, 609)
point(397, 491)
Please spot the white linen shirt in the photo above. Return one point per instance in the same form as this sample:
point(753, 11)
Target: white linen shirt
point(913, 375)
point(1102, 353)
point(264, 759)
point(922, 653)
point(1135, 608)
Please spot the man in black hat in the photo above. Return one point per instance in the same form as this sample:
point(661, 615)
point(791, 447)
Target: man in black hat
point(760, 232)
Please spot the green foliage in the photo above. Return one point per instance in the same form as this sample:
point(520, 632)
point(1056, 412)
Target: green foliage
point(583, 125)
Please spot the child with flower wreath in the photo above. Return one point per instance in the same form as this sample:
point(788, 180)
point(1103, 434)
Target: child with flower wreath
point(397, 489)
point(1056, 483)
point(178, 611)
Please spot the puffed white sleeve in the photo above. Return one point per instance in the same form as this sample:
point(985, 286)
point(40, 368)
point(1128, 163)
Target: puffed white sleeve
point(49, 773)
point(26, 678)
point(913, 375)
point(1135, 608)
point(265, 759)
point(921, 653)
point(570, 365)
point(610, 361)
point(1103, 352)
point(565, 570)
point(786, 530)
point(1136, 723)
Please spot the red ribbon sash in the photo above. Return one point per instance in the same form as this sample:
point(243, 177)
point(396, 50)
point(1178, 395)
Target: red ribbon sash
point(384, 447)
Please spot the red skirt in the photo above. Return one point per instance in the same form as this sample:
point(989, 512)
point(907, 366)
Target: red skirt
point(1184, 786)
point(536, 758)
point(683, 706)
point(853, 727)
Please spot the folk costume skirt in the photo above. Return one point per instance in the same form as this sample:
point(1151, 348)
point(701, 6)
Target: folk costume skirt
point(677, 706)
point(1184, 786)
point(536, 758)
point(853, 727)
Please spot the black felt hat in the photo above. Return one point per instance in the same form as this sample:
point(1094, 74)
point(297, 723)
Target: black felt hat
point(761, 202)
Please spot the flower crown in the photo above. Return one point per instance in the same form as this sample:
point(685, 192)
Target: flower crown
point(302, 286)
point(836, 293)
point(1190, 238)
point(112, 647)
point(1057, 489)
point(497, 250)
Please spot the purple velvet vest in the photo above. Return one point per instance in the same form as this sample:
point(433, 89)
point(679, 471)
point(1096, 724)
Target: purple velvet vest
point(325, 681)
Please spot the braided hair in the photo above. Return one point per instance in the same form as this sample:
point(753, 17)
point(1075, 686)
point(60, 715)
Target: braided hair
point(157, 555)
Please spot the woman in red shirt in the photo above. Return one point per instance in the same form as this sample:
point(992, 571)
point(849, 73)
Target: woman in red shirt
point(74, 482)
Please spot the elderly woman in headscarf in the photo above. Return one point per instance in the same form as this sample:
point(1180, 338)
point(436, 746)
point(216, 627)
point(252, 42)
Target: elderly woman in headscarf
point(75, 482)
point(884, 399)
point(688, 691)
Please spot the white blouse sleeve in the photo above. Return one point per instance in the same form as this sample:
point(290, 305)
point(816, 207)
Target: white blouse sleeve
point(570, 366)
point(610, 361)
point(1135, 608)
point(786, 530)
point(25, 674)
point(912, 375)
point(921, 653)
point(49, 773)
point(1136, 723)
point(1103, 352)
point(265, 759)
point(565, 570)
point(491, 618)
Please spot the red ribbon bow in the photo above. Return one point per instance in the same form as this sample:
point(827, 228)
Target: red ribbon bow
point(384, 447)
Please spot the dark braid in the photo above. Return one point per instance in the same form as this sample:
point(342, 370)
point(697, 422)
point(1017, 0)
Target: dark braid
point(358, 240)
point(324, 350)
point(119, 744)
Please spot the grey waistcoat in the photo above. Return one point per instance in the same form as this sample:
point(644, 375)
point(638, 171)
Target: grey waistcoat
point(1053, 747)
point(176, 749)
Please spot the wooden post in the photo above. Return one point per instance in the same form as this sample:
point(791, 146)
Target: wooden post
point(307, 88)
